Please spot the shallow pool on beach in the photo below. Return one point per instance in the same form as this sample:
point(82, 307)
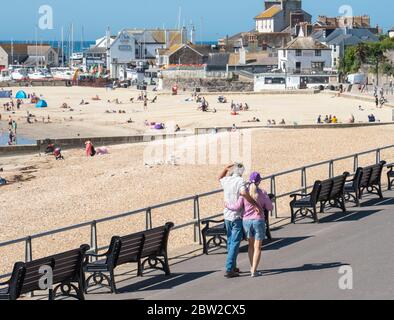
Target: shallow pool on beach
point(20, 140)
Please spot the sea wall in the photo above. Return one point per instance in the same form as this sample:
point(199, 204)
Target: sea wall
point(209, 85)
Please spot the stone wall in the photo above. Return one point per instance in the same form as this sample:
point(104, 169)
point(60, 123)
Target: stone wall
point(209, 85)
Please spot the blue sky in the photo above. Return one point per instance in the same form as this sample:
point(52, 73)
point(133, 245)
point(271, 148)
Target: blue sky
point(212, 18)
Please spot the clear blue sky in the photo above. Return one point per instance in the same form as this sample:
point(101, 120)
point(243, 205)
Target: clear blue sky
point(212, 18)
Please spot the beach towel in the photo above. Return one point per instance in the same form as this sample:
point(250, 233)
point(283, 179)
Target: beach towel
point(3, 181)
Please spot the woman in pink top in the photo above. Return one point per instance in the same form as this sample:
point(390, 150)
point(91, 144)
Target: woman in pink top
point(253, 222)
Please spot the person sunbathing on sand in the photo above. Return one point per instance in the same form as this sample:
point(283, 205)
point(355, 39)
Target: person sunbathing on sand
point(96, 98)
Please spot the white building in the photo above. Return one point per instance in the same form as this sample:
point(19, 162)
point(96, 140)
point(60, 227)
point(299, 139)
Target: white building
point(131, 46)
point(304, 55)
point(281, 14)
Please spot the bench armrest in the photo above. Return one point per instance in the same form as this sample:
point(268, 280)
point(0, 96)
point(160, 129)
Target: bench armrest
point(87, 255)
point(390, 166)
point(207, 222)
point(295, 195)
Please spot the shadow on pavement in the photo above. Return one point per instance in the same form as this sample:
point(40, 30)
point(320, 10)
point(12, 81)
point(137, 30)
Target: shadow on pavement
point(160, 282)
point(305, 267)
point(348, 216)
point(378, 202)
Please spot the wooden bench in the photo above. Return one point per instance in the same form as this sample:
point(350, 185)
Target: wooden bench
point(12, 288)
point(369, 179)
point(329, 192)
point(352, 188)
point(216, 236)
point(151, 245)
point(66, 270)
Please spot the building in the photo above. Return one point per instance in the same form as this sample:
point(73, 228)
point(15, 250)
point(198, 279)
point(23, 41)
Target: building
point(274, 27)
point(354, 22)
point(341, 38)
point(280, 15)
point(183, 54)
point(28, 55)
point(304, 55)
point(132, 46)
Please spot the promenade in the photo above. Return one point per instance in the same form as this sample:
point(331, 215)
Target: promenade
point(302, 262)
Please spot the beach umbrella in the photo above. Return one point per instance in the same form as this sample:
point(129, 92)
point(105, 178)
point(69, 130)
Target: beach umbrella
point(21, 95)
point(41, 104)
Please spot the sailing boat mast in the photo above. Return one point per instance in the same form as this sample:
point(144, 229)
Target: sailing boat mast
point(62, 47)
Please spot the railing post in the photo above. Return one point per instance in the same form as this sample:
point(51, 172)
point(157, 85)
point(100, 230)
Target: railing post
point(197, 219)
point(331, 169)
point(148, 219)
point(28, 250)
point(377, 156)
point(355, 163)
point(273, 191)
point(303, 180)
point(93, 237)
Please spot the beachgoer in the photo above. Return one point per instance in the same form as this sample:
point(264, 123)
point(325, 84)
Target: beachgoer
point(351, 119)
point(254, 224)
point(319, 119)
point(89, 148)
point(102, 150)
point(233, 187)
point(14, 126)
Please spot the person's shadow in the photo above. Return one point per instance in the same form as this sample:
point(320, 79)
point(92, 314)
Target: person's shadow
point(305, 267)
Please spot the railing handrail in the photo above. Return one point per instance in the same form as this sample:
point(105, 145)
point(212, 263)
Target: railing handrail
point(188, 198)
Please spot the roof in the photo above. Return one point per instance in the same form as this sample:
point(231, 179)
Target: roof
point(202, 50)
point(254, 58)
point(96, 49)
point(348, 36)
point(305, 43)
point(218, 59)
point(157, 36)
point(269, 13)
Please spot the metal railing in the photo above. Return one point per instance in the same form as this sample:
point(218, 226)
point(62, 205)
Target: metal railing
point(196, 221)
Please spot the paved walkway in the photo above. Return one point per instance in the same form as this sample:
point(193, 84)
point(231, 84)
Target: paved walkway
point(301, 263)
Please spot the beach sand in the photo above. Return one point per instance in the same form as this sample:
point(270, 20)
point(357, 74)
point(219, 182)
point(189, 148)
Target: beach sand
point(45, 194)
point(92, 121)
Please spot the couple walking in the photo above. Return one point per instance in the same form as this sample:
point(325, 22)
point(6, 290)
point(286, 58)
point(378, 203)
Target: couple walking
point(244, 209)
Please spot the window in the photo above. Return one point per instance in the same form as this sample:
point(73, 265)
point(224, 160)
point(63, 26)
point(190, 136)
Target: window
point(318, 53)
point(274, 80)
point(317, 66)
point(335, 48)
point(298, 53)
point(137, 52)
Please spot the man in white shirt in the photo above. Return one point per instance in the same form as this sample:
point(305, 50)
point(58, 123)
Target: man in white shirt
point(234, 187)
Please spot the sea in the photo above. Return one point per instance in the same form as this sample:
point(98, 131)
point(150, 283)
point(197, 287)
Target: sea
point(78, 46)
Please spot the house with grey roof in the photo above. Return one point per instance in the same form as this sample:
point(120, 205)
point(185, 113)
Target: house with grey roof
point(304, 55)
point(342, 38)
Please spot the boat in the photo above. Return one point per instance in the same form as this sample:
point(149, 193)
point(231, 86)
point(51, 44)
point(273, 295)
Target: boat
point(62, 73)
point(19, 74)
point(40, 74)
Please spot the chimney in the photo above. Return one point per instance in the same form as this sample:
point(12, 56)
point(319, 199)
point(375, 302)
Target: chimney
point(242, 56)
point(167, 38)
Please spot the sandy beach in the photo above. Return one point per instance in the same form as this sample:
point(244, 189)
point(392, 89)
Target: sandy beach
point(91, 120)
